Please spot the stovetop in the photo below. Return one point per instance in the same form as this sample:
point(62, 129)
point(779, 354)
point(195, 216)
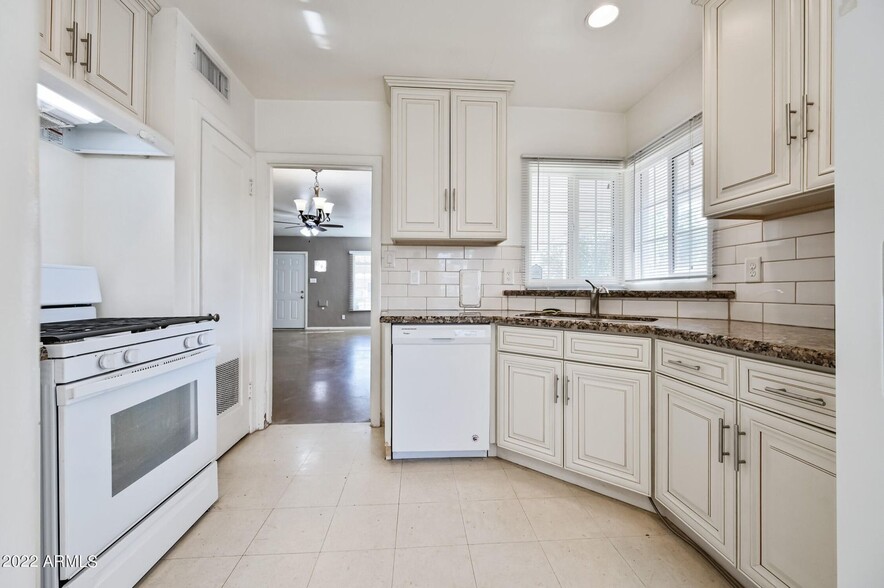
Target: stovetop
point(86, 328)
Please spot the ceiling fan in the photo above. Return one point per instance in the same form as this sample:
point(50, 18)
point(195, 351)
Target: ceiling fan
point(315, 220)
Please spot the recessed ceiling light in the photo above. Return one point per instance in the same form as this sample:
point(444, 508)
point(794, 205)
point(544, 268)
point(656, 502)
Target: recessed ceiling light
point(602, 16)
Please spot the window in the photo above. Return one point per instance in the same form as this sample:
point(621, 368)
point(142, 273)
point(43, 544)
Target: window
point(360, 280)
point(573, 216)
point(614, 222)
point(670, 233)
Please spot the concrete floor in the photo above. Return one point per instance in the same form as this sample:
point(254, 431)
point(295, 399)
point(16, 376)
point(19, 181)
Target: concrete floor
point(321, 376)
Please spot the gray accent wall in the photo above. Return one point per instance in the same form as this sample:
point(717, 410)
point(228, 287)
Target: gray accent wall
point(334, 284)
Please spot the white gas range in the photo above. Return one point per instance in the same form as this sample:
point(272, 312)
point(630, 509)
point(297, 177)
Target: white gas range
point(129, 441)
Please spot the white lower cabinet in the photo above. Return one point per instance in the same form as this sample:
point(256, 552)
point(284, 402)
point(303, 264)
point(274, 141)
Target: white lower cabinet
point(694, 469)
point(598, 425)
point(529, 406)
point(787, 502)
point(607, 425)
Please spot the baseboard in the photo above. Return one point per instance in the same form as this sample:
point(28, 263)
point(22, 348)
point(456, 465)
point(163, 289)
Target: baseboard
point(367, 328)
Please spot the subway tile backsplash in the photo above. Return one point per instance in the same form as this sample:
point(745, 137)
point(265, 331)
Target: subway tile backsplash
point(798, 273)
point(797, 268)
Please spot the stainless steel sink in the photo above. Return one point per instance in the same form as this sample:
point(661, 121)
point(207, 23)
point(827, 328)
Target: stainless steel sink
point(577, 316)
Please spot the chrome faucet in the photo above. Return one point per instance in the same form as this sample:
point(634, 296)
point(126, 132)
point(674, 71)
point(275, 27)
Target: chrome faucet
point(594, 296)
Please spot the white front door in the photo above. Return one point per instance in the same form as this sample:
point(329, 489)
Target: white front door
point(226, 221)
point(289, 289)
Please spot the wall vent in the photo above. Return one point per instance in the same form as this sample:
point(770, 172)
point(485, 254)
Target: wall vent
point(227, 383)
point(210, 70)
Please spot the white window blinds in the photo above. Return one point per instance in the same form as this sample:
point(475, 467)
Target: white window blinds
point(360, 280)
point(670, 233)
point(573, 221)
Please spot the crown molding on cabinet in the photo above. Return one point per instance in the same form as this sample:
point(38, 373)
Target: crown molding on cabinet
point(447, 84)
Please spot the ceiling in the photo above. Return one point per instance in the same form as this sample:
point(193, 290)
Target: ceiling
point(349, 190)
point(543, 45)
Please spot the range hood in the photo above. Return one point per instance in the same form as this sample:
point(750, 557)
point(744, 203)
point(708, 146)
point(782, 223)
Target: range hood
point(78, 122)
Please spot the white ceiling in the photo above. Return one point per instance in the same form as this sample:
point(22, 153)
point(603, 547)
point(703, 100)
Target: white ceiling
point(350, 190)
point(544, 45)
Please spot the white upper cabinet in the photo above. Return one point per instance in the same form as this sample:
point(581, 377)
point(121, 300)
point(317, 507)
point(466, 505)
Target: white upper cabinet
point(607, 425)
point(787, 502)
point(101, 44)
point(420, 163)
point(763, 106)
point(819, 96)
point(448, 160)
point(478, 165)
point(116, 51)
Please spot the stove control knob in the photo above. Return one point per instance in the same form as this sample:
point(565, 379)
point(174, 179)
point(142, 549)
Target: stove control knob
point(107, 361)
point(190, 342)
point(130, 356)
point(203, 339)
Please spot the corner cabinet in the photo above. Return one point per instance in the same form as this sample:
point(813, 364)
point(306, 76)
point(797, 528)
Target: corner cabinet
point(448, 147)
point(767, 107)
point(102, 44)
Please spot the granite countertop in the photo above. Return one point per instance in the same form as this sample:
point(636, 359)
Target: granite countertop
point(718, 294)
point(815, 347)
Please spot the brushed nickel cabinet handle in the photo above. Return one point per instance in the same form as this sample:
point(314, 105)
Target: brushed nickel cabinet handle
point(721, 451)
point(793, 396)
point(807, 104)
point(689, 366)
point(454, 199)
point(789, 113)
point(75, 44)
point(556, 390)
point(88, 63)
point(445, 200)
point(567, 390)
point(737, 460)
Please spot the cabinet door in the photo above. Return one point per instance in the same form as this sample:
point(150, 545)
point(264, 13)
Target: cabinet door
point(694, 471)
point(478, 165)
point(420, 158)
point(820, 94)
point(116, 56)
point(57, 34)
point(529, 409)
point(752, 102)
point(787, 502)
point(607, 425)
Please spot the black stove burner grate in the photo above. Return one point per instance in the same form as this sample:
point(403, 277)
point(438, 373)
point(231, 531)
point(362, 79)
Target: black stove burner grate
point(86, 328)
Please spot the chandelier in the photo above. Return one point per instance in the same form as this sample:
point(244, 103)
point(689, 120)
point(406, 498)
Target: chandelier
point(317, 217)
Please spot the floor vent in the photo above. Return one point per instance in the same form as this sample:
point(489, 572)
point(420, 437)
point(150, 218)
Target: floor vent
point(210, 70)
point(227, 377)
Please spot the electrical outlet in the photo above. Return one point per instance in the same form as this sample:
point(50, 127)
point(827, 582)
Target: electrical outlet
point(389, 260)
point(343, 317)
point(415, 277)
point(509, 276)
point(753, 269)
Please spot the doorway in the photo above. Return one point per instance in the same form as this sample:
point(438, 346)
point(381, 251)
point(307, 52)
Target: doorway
point(322, 307)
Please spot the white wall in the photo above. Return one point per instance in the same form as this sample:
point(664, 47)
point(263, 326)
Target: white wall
point(61, 205)
point(117, 214)
point(19, 306)
point(179, 97)
point(859, 234)
point(363, 128)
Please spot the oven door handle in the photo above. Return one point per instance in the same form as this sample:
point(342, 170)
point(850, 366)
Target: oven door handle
point(70, 393)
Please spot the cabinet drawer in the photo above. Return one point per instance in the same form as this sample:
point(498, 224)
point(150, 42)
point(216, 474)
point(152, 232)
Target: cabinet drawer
point(708, 369)
point(613, 350)
point(544, 342)
point(802, 394)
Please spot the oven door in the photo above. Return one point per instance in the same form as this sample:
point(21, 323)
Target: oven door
point(126, 442)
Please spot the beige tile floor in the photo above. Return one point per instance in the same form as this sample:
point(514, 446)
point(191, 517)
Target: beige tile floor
point(317, 506)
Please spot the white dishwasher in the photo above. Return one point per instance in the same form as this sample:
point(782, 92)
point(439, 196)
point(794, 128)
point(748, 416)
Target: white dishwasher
point(441, 396)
